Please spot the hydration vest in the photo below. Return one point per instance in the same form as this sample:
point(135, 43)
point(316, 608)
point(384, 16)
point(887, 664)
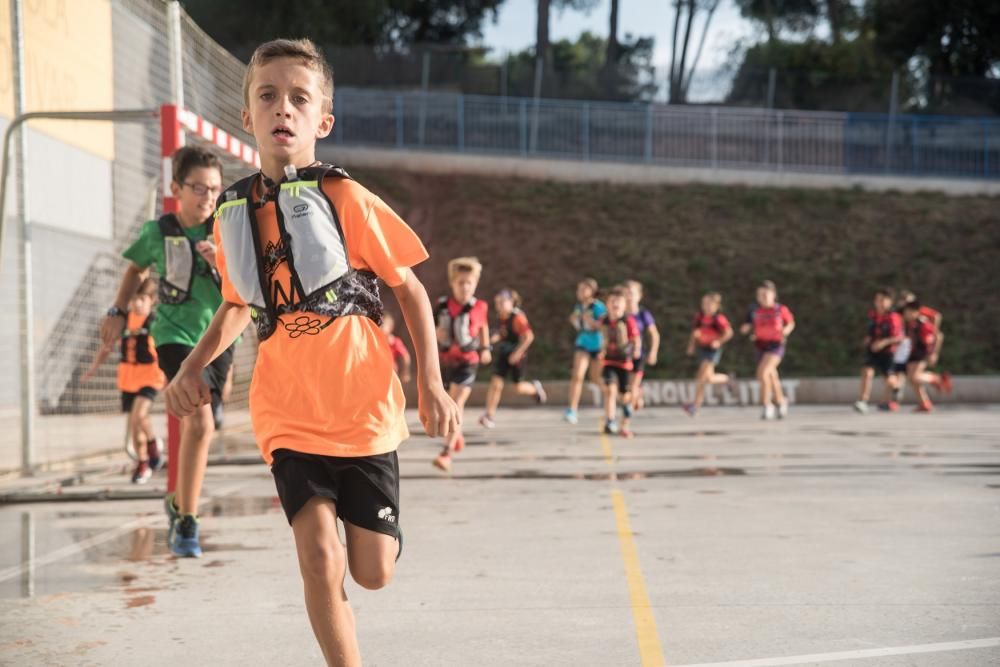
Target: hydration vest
point(135, 347)
point(458, 328)
point(315, 249)
point(618, 346)
point(180, 261)
point(509, 337)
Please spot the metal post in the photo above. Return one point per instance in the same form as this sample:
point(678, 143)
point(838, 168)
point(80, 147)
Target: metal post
point(503, 80)
point(425, 80)
point(986, 148)
point(534, 112)
point(585, 131)
point(26, 311)
point(648, 148)
point(176, 53)
point(28, 554)
point(715, 138)
point(781, 134)
point(460, 122)
point(522, 118)
point(891, 125)
point(913, 144)
point(771, 84)
point(399, 121)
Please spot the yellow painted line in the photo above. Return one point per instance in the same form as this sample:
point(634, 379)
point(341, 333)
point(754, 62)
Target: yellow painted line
point(650, 650)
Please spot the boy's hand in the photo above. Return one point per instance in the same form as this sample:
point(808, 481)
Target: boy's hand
point(438, 412)
point(186, 393)
point(207, 250)
point(111, 329)
point(405, 377)
point(715, 344)
point(515, 357)
point(485, 357)
point(651, 359)
point(690, 350)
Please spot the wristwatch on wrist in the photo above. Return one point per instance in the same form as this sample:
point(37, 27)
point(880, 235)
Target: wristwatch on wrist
point(115, 311)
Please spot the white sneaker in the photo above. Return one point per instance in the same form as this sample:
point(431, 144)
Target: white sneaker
point(540, 394)
point(487, 422)
point(768, 412)
point(783, 409)
point(861, 407)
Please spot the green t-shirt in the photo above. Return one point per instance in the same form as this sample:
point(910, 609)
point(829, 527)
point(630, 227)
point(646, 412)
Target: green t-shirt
point(182, 323)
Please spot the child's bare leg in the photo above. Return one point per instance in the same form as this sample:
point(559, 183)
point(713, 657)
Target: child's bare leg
point(610, 395)
point(916, 373)
point(770, 363)
point(867, 374)
point(764, 378)
point(493, 394)
point(891, 382)
point(525, 388)
point(459, 394)
point(196, 436)
point(580, 361)
point(323, 564)
point(704, 371)
point(138, 425)
point(371, 556)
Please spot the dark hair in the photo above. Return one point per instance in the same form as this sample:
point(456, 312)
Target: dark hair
point(617, 291)
point(911, 305)
point(768, 285)
point(886, 291)
point(303, 50)
point(187, 159)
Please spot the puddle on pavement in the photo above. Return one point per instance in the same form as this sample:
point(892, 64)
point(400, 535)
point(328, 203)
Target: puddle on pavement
point(140, 601)
point(242, 506)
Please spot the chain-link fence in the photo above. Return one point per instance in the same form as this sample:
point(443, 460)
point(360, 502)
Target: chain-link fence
point(84, 209)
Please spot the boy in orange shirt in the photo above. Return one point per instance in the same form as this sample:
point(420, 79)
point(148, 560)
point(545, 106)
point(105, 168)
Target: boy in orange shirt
point(139, 378)
point(299, 249)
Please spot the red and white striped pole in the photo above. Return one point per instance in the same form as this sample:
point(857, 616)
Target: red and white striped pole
point(171, 138)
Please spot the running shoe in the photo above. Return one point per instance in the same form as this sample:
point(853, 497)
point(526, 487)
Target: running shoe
point(155, 454)
point(731, 384)
point(625, 433)
point(861, 407)
point(459, 444)
point(946, 383)
point(768, 413)
point(926, 406)
point(172, 515)
point(442, 462)
point(218, 415)
point(184, 540)
point(570, 416)
point(783, 409)
point(142, 473)
point(611, 426)
point(487, 422)
point(690, 409)
point(540, 396)
point(890, 406)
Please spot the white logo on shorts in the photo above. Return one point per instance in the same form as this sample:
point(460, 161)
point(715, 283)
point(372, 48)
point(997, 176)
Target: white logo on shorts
point(386, 515)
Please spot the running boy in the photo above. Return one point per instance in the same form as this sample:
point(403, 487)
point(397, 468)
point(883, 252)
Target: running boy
point(585, 318)
point(647, 329)
point(769, 324)
point(139, 378)
point(326, 406)
point(511, 342)
point(921, 332)
point(622, 349)
point(885, 331)
point(184, 257)
point(711, 331)
point(463, 336)
point(400, 355)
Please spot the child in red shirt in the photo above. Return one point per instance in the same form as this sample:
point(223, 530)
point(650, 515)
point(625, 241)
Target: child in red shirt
point(769, 324)
point(711, 331)
point(621, 349)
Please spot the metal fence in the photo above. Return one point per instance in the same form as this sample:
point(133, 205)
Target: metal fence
point(671, 135)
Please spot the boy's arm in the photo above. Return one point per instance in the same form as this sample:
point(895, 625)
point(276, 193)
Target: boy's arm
point(654, 344)
point(527, 338)
point(727, 336)
point(438, 413)
point(187, 391)
point(112, 327)
point(102, 354)
point(485, 356)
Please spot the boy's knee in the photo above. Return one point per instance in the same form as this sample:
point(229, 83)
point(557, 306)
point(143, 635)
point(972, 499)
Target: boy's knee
point(373, 575)
point(322, 561)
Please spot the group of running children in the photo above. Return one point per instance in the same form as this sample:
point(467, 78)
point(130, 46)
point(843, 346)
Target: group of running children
point(297, 250)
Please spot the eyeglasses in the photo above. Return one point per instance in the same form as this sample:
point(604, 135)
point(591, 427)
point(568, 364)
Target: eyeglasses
point(202, 190)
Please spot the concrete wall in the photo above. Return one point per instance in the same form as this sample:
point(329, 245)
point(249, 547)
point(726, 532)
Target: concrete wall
point(613, 172)
point(969, 389)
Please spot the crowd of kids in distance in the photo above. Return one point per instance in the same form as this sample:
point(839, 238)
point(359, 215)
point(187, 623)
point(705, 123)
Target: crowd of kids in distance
point(297, 250)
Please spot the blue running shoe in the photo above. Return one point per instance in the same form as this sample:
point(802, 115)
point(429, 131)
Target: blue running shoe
point(570, 416)
point(185, 537)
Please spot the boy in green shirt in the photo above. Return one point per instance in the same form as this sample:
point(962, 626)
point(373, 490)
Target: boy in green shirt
point(181, 248)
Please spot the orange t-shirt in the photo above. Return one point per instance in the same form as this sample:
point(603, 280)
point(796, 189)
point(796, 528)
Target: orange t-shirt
point(326, 385)
point(138, 366)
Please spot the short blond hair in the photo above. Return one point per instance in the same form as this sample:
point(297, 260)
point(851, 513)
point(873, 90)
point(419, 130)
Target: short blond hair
point(303, 50)
point(464, 265)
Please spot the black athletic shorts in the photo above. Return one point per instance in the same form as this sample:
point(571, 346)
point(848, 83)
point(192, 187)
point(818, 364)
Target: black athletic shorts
point(503, 368)
point(880, 361)
point(617, 375)
point(364, 488)
point(463, 375)
point(128, 397)
point(171, 356)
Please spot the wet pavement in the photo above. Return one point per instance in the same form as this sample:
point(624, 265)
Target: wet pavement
point(830, 537)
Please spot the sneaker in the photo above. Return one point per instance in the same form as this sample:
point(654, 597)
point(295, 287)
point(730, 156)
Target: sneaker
point(861, 407)
point(926, 406)
point(783, 409)
point(690, 409)
point(442, 462)
point(570, 416)
point(768, 413)
point(540, 396)
point(487, 422)
point(625, 433)
point(155, 454)
point(217, 414)
point(897, 395)
point(890, 406)
point(184, 540)
point(611, 426)
point(142, 473)
point(946, 386)
point(459, 443)
point(173, 513)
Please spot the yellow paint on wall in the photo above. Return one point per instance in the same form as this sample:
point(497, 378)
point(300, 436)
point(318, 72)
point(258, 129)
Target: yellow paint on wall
point(68, 67)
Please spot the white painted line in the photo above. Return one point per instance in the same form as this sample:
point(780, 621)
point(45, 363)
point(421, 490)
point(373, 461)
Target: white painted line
point(100, 538)
point(853, 655)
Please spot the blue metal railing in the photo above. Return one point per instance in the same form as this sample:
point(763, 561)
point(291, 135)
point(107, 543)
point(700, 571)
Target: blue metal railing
point(776, 140)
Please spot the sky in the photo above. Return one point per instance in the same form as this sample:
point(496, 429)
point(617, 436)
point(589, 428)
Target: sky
point(515, 27)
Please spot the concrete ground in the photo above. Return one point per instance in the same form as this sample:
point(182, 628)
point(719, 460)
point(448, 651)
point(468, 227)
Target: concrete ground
point(829, 537)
